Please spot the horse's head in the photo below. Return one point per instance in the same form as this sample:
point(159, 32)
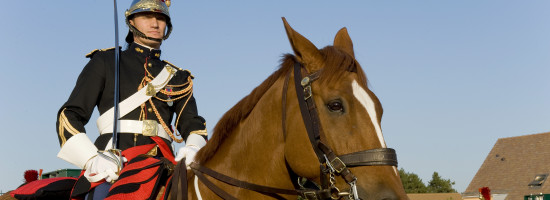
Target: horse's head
point(348, 124)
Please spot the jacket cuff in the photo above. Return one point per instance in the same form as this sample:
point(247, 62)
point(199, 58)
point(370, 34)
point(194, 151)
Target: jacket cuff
point(78, 150)
point(195, 140)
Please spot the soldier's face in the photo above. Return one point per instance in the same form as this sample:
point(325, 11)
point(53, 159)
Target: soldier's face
point(152, 25)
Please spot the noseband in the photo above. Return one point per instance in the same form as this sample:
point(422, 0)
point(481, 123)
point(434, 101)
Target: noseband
point(330, 164)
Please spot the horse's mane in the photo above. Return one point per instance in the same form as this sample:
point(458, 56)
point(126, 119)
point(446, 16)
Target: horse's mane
point(337, 63)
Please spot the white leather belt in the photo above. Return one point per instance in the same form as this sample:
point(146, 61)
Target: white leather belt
point(146, 128)
point(136, 99)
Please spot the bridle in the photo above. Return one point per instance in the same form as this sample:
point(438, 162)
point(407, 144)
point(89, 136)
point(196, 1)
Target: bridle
point(331, 165)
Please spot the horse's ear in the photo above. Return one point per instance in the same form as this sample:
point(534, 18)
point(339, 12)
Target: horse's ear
point(305, 51)
point(343, 41)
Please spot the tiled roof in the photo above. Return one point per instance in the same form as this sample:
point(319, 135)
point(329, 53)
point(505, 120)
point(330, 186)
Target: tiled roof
point(512, 164)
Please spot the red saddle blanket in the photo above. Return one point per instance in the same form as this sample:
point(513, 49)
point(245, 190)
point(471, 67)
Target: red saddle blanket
point(51, 188)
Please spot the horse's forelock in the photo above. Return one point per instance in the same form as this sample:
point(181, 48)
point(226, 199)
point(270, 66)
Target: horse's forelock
point(337, 63)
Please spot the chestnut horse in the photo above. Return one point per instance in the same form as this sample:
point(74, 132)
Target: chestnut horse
point(262, 148)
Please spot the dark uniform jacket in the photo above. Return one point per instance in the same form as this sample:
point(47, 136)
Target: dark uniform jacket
point(95, 87)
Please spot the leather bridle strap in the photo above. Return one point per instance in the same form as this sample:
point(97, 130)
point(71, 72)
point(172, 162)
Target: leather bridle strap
point(270, 191)
point(311, 120)
point(200, 172)
point(218, 191)
point(177, 187)
point(337, 164)
point(373, 157)
point(308, 108)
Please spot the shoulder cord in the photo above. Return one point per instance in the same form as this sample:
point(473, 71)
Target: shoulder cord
point(187, 91)
point(164, 125)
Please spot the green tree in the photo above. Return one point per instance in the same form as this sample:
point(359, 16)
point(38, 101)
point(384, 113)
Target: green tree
point(411, 182)
point(440, 185)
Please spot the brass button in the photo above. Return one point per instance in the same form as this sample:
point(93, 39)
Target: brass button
point(150, 64)
point(150, 109)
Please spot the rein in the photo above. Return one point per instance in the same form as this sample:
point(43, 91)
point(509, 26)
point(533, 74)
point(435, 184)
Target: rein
point(330, 164)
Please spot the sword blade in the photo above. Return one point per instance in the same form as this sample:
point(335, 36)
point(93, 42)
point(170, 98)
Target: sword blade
point(117, 85)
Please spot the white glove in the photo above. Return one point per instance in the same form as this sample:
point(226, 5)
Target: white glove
point(193, 144)
point(78, 150)
point(104, 165)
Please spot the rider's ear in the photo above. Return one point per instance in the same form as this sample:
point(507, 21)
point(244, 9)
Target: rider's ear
point(343, 41)
point(305, 51)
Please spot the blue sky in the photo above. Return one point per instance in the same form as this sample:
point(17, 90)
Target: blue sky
point(453, 76)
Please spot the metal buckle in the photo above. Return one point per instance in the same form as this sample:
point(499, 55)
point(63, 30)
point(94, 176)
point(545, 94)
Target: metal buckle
point(307, 92)
point(335, 193)
point(150, 128)
point(310, 195)
point(337, 165)
point(150, 91)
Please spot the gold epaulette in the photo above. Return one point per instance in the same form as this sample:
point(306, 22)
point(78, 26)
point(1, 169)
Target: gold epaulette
point(89, 55)
point(179, 68)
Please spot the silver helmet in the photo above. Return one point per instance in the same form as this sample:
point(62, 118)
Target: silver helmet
point(138, 6)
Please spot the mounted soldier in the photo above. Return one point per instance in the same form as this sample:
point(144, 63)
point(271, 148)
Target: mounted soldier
point(153, 94)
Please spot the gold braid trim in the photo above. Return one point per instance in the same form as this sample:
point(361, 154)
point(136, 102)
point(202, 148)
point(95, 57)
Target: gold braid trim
point(200, 132)
point(68, 125)
point(187, 91)
point(188, 85)
point(142, 106)
point(165, 61)
point(65, 124)
point(178, 140)
point(170, 100)
point(148, 77)
point(184, 92)
point(182, 108)
point(164, 126)
point(61, 131)
point(89, 55)
point(178, 68)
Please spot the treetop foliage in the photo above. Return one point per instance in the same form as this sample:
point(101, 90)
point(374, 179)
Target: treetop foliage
point(413, 184)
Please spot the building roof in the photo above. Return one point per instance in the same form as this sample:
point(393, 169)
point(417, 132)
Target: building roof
point(512, 165)
point(435, 196)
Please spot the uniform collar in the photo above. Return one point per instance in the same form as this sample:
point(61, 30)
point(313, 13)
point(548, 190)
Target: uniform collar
point(145, 51)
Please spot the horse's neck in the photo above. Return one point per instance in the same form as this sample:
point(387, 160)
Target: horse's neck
point(254, 152)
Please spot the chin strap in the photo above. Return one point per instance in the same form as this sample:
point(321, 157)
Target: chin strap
point(134, 30)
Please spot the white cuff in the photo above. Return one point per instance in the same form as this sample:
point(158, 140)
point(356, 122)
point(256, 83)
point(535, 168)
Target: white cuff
point(78, 150)
point(195, 140)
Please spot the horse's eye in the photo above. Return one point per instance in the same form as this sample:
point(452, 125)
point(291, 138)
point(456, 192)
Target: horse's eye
point(335, 106)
